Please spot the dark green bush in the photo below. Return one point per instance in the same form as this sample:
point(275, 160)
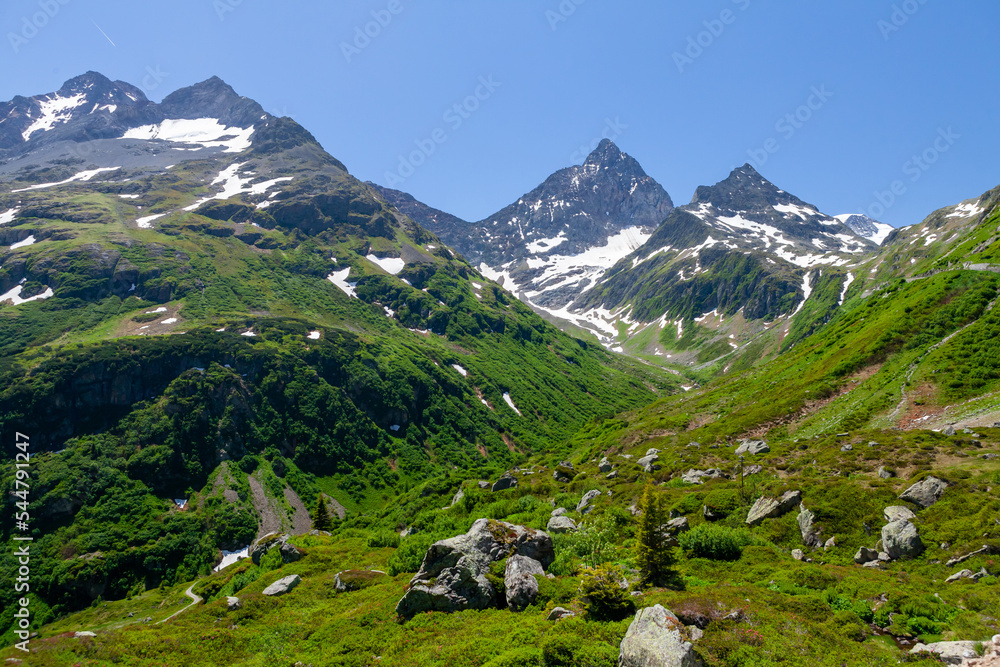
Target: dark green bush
point(604, 599)
point(383, 539)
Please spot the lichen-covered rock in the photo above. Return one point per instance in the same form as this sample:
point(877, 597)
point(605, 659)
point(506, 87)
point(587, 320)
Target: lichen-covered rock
point(898, 513)
point(519, 581)
point(654, 640)
point(900, 540)
point(865, 555)
point(772, 508)
point(649, 462)
point(810, 533)
point(925, 492)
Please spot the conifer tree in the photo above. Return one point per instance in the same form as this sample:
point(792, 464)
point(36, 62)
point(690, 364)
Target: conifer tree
point(654, 555)
point(321, 515)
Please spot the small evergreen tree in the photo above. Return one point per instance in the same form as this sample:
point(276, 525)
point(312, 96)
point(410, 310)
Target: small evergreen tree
point(654, 555)
point(321, 515)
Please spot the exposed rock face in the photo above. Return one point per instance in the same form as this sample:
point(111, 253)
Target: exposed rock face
point(654, 640)
point(520, 582)
point(772, 508)
point(677, 526)
point(925, 493)
point(898, 513)
point(283, 586)
point(753, 447)
point(900, 540)
point(560, 524)
point(452, 576)
point(507, 481)
point(584, 505)
point(289, 552)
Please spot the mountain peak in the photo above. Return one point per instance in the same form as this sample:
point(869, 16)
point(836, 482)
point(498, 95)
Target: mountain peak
point(213, 98)
point(606, 154)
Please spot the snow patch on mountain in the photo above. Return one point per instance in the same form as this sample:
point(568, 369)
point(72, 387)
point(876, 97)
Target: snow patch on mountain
point(14, 296)
point(54, 111)
point(391, 265)
point(966, 210)
point(23, 244)
point(339, 278)
point(8, 216)
point(202, 132)
point(81, 177)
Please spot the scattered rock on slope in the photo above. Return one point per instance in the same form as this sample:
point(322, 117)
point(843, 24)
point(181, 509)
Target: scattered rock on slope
point(507, 481)
point(898, 513)
point(925, 493)
point(654, 640)
point(283, 586)
point(753, 447)
point(289, 552)
point(560, 524)
point(584, 506)
point(900, 540)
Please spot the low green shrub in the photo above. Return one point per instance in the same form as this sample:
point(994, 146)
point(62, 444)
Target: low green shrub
point(382, 540)
point(717, 542)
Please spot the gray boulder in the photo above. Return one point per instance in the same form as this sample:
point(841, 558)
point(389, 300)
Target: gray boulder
point(885, 473)
point(847, 448)
point(584, 505)
point(483, 484)
point(964, 574)
point(457, 499)
point(519, 581)
point(654, 640)
point(649, 462)
point(830, 544)
point(559, 512)
point(950, 653)
point(772, 508)
point(289, 552)
point(232, 603)
point(753, 447)
point(865, 555)
point(506, 481)
point(810, 533)
point(452, 576)
point(925, 493)
point(560, 524)
point(898, 513)
point(283, 586)
point(699, 476)
point(900, 540)
point(605, 465)
point(798, 554)
point(949, 430)
point(612, 475)
point(652, 451)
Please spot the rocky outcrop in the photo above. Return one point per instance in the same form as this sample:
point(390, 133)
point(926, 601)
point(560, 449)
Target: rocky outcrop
point(452, 576)
point(519, 581)
point(654, 640)
point(283, 586)
point(289, 552)
point(901, 540)
point(925, 493)
point(699, 476)
point(772, 508)
point(649, 462)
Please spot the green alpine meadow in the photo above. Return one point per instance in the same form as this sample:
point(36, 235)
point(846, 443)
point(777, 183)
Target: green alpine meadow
point(261, 407)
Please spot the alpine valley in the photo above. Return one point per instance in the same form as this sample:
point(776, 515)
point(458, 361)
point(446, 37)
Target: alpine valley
point(256, 411)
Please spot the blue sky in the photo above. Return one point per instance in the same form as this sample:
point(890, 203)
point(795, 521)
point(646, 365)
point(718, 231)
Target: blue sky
point(691, 88)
